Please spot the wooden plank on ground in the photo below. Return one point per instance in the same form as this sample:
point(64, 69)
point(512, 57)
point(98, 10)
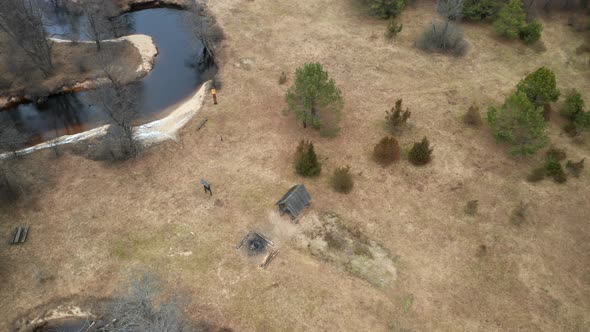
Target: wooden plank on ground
point(265, 238)
point(16, 235)
point(202, 123)
point(243, 241)
point(24, 235)
point(269, 258)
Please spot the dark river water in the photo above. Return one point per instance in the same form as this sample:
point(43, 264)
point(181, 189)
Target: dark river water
point(65, 325)
point(173, 79)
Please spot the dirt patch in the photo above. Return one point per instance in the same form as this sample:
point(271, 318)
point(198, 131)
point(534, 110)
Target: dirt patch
point(350, 249)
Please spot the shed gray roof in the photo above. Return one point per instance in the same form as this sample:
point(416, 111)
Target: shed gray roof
point(295, 200)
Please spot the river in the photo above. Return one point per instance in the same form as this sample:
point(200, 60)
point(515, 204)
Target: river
point(174, 78)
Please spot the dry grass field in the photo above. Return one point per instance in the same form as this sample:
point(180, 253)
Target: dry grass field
point(92, 223)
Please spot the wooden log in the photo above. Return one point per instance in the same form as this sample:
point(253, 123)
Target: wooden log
point(265, 260)
point(202, 123)
point(24, 236)
point(265, 238)
point(270, 258)
point(243, 241)
point(16, 235)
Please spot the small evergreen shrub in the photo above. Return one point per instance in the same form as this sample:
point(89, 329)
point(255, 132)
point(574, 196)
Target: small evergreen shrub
point(582, 121)
point(386, 151)
point(519, 123)
point(472, 117)
point(396, 117)
point(283, 78)
point(575, 168)
point(553, 169)
point(519, 214)
point(342, 180)
point(574, 105)
point(386, 8)
point(443, 36)
point(471, 207)
point(393, 28)
point(306, 161)
point(531, 32)
point(539, 86)
point(477, 10)
point(421, 153)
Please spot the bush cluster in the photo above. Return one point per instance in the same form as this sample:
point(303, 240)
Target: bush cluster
point(477, 10)
point(393, 28)
point(575, 168)
point(519, 123)
point(386, 151)
point(573, 110)
point(539, 86)
point(472, 116)
point(511, 23)
point(342, 180)
point(553, 168)
point(531, 32)
point(443, 36)
point(306, 160)
point(385, 8)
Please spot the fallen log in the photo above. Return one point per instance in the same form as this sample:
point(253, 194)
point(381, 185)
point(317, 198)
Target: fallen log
point(271, 256)
point(202, 123)
point(265, 238)
point(16, 237)
point(243, 241)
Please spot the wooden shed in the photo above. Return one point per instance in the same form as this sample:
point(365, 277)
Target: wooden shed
point(294, 201)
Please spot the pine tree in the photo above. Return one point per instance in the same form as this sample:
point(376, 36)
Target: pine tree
point(511, 19)
point(315, 99)
point(421, 153)
point(397, 117)
point(306, 160)
point(539, 86)
point(519, 123)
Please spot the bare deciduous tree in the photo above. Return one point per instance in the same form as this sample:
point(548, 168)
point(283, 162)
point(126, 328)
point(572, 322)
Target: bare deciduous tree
point(11, 139)
point(98, 13)
point(450, 9)
point(22, 21)
point(205, 29)
point(443, 36)
point(136, 309)
point(121, 104)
